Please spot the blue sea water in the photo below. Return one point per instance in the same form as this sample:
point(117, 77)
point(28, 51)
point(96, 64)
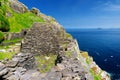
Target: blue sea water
point(103, 45)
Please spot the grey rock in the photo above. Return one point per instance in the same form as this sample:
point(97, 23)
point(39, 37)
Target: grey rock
point(13, 77)
point(31, 75)
point(20, 70)
point(12, 64)
point(3, 72)
point(17, 6)
point(2, 66)
point(53, 76)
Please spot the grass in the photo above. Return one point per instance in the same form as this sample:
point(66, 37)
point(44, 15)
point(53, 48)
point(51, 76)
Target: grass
point(45, 64)
point(4, 47)
point(23, 21)
point(13, 40)
point(19, 21)
point(68, 54)
point(96, 76)
point(1, 36)
point(68, 36)
point(6, 55)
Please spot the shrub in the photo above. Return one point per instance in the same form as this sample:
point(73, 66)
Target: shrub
point(1, 36)
point(4, 24)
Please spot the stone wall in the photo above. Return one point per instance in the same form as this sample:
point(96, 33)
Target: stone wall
point(43, 38)
point(10, 36)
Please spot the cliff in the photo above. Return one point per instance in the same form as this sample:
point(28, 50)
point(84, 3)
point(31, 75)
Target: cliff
point(46, 51)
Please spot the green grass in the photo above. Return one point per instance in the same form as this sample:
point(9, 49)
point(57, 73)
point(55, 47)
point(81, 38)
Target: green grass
point(13, 40)
point(6, 55)
point(1, 36)
point(4, 47)
point(69, 36)
point(23, 21)
point(96, 76)
point(18, 21)
point(45, 64)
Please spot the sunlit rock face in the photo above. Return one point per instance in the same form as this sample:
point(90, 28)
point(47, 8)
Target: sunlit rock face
point(18, 6)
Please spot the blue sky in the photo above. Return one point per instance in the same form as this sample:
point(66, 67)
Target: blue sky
point(80, 13)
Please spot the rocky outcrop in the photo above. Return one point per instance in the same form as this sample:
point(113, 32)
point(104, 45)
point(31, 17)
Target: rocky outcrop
point(43, 38)
point(18, 6)
point(20, 67)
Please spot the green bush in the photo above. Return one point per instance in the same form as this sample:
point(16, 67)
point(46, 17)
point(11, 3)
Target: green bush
point(1, 36)
point(4, 23)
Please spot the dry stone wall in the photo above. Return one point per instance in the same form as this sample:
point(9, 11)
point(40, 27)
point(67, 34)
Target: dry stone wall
point(42, 38)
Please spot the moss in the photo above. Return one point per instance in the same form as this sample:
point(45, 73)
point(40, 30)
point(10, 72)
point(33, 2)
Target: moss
point(45, 62)
point(6, 55)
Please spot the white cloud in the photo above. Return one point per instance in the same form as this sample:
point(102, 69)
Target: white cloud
point(108, 6)
point(111, 7)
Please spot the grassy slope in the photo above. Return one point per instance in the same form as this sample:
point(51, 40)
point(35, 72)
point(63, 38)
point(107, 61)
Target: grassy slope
point(6, 55)
point(23, 21)
point(19, 21)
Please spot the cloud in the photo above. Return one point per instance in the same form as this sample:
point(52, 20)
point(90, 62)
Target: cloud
point(108, 6)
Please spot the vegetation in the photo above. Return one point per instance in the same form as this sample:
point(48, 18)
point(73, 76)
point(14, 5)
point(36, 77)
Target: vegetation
point(6, 55)
point(96, 76)
point(68, 36)
point(1, 36)
point(12, 41)
point(45, 63)
point(4, 24)
point(23, 21)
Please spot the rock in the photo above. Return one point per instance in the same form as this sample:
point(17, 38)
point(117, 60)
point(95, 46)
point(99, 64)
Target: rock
point(31, 75)
point(35, 11)
point(12, 64)
point(20, 70)
point(2, 50)
point(17, 6)
point(53, 76)
point(3, 72)
point(25, 60)
point(66, 78)
point(2, 66)
point(13, 77)
point(60, 67)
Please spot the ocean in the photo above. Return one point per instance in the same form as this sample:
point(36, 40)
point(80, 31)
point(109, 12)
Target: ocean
point(103, 45)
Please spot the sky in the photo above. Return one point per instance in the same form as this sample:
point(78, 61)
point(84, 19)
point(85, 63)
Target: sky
point(80, 13)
